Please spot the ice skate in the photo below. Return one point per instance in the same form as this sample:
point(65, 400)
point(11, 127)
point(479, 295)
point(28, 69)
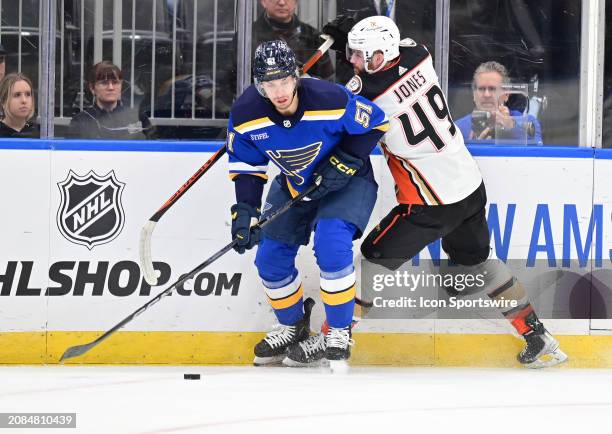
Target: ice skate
point(308, 353)
point(542, 348)
point(273, 348)
point(338, 344)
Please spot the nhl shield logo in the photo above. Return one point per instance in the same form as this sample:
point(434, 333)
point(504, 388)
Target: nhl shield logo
point(90, 212)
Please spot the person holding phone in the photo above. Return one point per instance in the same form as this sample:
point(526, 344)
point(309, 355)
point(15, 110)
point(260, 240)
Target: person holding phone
point(492, 118)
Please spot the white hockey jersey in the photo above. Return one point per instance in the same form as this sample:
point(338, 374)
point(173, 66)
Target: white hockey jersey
point(424, 148)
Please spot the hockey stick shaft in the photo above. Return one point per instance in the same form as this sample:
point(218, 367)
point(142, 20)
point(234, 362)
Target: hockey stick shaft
point(146, 233)
point(329, 41)
point(364, 303)
point(79, 350)
point(187, 185)
point(146, 262)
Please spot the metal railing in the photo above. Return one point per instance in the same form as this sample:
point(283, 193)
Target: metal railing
point(169, 48)
point(173, 31)
point(186, 42)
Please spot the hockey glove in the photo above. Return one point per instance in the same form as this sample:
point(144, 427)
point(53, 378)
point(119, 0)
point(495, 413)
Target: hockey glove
point(339, 29)
point(335, 172)
point(243, 217)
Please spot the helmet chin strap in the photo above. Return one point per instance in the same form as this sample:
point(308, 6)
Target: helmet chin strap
point(294, 90)
point(374, 71)
point(297, 81)
point(367, 68)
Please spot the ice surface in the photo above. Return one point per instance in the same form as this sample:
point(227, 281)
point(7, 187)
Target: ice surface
point(251, 400)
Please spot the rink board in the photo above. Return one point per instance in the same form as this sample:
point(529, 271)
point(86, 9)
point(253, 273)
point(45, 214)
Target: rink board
point(67, 274)
point(234, 348)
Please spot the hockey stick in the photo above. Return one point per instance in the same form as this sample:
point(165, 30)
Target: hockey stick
point(364, 303)
point(329, 41)
point(79, 350)
point(146, 261)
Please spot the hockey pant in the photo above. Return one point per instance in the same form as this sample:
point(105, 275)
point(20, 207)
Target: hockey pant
point(463, 227)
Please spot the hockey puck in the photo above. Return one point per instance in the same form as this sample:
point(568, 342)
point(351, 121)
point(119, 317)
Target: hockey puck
point(191, 376)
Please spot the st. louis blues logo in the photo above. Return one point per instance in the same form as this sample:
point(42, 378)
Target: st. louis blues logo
point(90, 212)
point(293, 161)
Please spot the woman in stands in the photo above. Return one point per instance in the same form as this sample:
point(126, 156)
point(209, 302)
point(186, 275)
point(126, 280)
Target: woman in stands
point(17, 102)
point(108, 118)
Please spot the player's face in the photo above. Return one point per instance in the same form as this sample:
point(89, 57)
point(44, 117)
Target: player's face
point(281, 93)
point(357, 60)
point(20, 101)
point(488, 93)
point(280, 10)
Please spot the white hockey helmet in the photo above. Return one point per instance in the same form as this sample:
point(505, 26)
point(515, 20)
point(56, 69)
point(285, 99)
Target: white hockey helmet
point(378, 33)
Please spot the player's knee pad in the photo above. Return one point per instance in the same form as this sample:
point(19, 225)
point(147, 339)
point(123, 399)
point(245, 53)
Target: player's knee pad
point(275, 260)
point(333, 244)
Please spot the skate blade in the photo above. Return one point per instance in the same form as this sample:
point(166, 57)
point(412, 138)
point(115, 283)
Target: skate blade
point(265, 361)
point(338, 366)
point(553, 358)
point(295, 364)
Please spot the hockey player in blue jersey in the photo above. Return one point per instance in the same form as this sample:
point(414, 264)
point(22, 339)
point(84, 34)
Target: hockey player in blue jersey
point(308, 128)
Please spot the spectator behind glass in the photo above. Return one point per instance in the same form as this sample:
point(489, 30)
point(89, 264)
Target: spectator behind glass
point(491, 118)
point(17, 101)
point(2, 62)
point(107, 118)
point(279, 21)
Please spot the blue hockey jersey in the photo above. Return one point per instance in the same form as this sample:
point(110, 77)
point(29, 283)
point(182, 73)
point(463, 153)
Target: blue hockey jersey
point(327, 116)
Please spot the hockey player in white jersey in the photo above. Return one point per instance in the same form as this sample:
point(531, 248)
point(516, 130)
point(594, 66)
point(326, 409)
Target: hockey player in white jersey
point(439, 188)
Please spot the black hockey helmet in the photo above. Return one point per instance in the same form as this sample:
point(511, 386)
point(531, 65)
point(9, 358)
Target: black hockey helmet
point(273, 60)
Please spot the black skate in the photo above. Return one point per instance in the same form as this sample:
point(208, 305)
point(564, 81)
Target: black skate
point(273, 348)
point(338, 344)
point(308, 353)
point(542, 348)
point(311, 352)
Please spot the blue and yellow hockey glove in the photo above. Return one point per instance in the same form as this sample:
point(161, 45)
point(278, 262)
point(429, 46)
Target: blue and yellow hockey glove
point(335, 172)
point(243, 217)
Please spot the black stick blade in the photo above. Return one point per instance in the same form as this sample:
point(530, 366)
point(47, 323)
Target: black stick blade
point(77, 350)
point(364, 303)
